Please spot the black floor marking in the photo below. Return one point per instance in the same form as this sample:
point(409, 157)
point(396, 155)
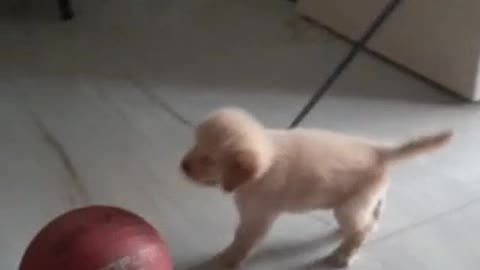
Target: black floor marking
point(164, 105)
point(65, 159)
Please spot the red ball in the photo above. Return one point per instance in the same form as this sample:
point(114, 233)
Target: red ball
point(97, 238)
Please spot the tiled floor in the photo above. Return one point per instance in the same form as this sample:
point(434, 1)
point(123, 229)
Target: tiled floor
point(113, 86)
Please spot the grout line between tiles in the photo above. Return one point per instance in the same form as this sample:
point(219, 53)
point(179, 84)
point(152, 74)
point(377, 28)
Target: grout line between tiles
point(81, 195)
point(425, 221)
point(66, 161)
point(162, 103)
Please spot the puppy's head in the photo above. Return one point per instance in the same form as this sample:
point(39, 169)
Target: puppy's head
point(231, 148)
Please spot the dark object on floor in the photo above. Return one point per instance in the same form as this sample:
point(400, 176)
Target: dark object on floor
point(97, 238)
point(66, 10)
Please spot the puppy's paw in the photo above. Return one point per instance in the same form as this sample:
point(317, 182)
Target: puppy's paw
point(228, 260)
point(337, 260)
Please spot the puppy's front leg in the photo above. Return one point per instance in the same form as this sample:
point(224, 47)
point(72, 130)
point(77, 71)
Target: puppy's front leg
point(248, 234)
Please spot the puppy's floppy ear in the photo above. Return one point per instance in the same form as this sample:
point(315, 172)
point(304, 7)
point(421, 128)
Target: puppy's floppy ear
point(241, 167)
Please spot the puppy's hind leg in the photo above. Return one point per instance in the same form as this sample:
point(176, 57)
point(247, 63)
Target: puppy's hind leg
point(357, 218)
point(353, 237)
point(378, 210)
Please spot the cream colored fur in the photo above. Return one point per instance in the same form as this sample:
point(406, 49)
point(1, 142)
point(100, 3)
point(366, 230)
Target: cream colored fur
point(273, 171)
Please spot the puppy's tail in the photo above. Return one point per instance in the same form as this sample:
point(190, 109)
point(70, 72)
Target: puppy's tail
point(416, 146)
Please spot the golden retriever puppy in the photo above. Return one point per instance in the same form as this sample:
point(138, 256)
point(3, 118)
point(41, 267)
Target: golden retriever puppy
point(272, 171)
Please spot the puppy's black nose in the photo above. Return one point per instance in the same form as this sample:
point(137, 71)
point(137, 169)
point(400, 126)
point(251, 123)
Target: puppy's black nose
point(185, 166)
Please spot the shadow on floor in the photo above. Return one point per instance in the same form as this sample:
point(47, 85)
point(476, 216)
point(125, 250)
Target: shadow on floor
point(278, 253)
